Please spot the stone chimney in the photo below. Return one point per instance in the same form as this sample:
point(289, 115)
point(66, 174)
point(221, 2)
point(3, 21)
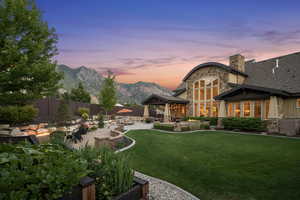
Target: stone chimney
point(237, 62)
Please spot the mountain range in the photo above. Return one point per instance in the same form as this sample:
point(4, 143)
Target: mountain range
point(92, 82)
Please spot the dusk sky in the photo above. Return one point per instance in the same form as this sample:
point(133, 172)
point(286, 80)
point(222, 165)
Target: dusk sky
point(162, 40)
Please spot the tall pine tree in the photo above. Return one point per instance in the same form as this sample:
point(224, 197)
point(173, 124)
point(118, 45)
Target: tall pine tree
point(80, 94)
point(27, 47)
point(108, 96)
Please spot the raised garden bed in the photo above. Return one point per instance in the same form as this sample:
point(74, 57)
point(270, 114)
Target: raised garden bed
point(139, 190)
point(84, 191)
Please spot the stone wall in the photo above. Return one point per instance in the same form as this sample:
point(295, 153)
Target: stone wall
point(204, 73)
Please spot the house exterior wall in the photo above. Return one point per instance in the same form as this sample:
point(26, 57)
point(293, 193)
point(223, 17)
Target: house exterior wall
point(289, 108)
point(234, 78)
point(206, 73)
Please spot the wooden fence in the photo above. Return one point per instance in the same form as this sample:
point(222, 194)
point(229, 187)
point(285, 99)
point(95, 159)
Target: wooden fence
point(48, 108)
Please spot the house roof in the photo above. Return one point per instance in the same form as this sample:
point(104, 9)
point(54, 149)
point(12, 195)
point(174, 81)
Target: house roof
point(239, 88)
point(215, 64)
point(179, 92)
point(163, 99)
point(286, 77)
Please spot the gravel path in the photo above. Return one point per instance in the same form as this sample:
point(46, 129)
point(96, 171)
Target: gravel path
point(162, 190)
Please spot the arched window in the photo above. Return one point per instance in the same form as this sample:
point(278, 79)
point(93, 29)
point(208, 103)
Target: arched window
point(204, 92)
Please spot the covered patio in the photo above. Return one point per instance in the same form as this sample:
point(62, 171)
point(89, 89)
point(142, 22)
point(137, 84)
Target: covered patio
point(171, 108)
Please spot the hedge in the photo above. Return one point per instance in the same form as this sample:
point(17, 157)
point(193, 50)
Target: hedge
point(244, 124)
point(213, 121)
point(17, 114)
point(166, 127)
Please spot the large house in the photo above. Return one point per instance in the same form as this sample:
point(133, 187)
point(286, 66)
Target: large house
point(268, 89)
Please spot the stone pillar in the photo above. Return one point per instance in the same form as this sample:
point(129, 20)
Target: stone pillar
point(273, 108)
point(167, 113)
point(146, 111)
point(221, 114)
point(252, 108)
point(273, 116)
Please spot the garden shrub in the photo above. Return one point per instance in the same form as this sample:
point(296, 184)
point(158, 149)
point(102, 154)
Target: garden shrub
point(93, 128)
point(149, 120)
point(213, 121)
point(38, 172)
point(63, 113)
point(17, 114)
point(244, 124)
point(111, 171)
point(100, 121)
point(204, 126)
point(166, 127)
point(57, 137)
point(185, 128)
point(83, 110)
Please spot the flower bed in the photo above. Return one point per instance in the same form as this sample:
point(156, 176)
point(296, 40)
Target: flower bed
point(244, 124)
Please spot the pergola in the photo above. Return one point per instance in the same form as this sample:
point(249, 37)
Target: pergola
point(173, 106)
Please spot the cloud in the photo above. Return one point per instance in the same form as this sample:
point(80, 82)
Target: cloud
point(117, 71)
point(279, 37)
point(64, 50)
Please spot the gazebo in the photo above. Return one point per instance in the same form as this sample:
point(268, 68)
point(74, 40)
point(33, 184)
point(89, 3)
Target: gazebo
point(174, 107)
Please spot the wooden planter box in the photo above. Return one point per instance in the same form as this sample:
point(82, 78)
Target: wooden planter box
point(84, 191)
point(139, 190)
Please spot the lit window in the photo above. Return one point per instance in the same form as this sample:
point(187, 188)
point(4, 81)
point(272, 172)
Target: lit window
point(208, 109)
point(257, 109)
point(197, 84)
point(237, 110)
point(208, 93)
point(202, 111)
point(230, 110)
point(267, 103)
point(247, 109)
point(201, 94)
point(298, 103)
point(215, 109)
point(195, 109)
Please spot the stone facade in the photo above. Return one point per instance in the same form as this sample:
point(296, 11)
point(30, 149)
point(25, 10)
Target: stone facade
point(205, 73)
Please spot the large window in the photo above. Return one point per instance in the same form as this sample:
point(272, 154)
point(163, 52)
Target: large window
point(204, 93)
point(267, 103)
point(257, 109)
point(237, 109)
point(298, 103)
point(246, 109)
point(230, 110)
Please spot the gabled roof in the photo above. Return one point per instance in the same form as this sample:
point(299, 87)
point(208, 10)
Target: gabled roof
point(179, 92)
point(239, 88)
point(215, 64)
point(285, 77)
point(163, 99)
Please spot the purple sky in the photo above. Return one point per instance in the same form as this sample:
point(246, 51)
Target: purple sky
point(162, 40)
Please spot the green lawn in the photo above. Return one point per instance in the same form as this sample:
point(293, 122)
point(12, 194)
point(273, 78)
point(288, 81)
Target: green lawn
point(218, 165)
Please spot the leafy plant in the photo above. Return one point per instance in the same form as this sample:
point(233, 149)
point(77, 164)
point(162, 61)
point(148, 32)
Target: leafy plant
point(245, 124)
point(204, 126)
point(108, 94)
point(38, 172)
point(83, 110)
point(100, 121)
point(112, 171)
point(63, 113)
point(28, 45)
point(57, 137)
point(166, 127)
point(17, 114)
point(80, 94)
